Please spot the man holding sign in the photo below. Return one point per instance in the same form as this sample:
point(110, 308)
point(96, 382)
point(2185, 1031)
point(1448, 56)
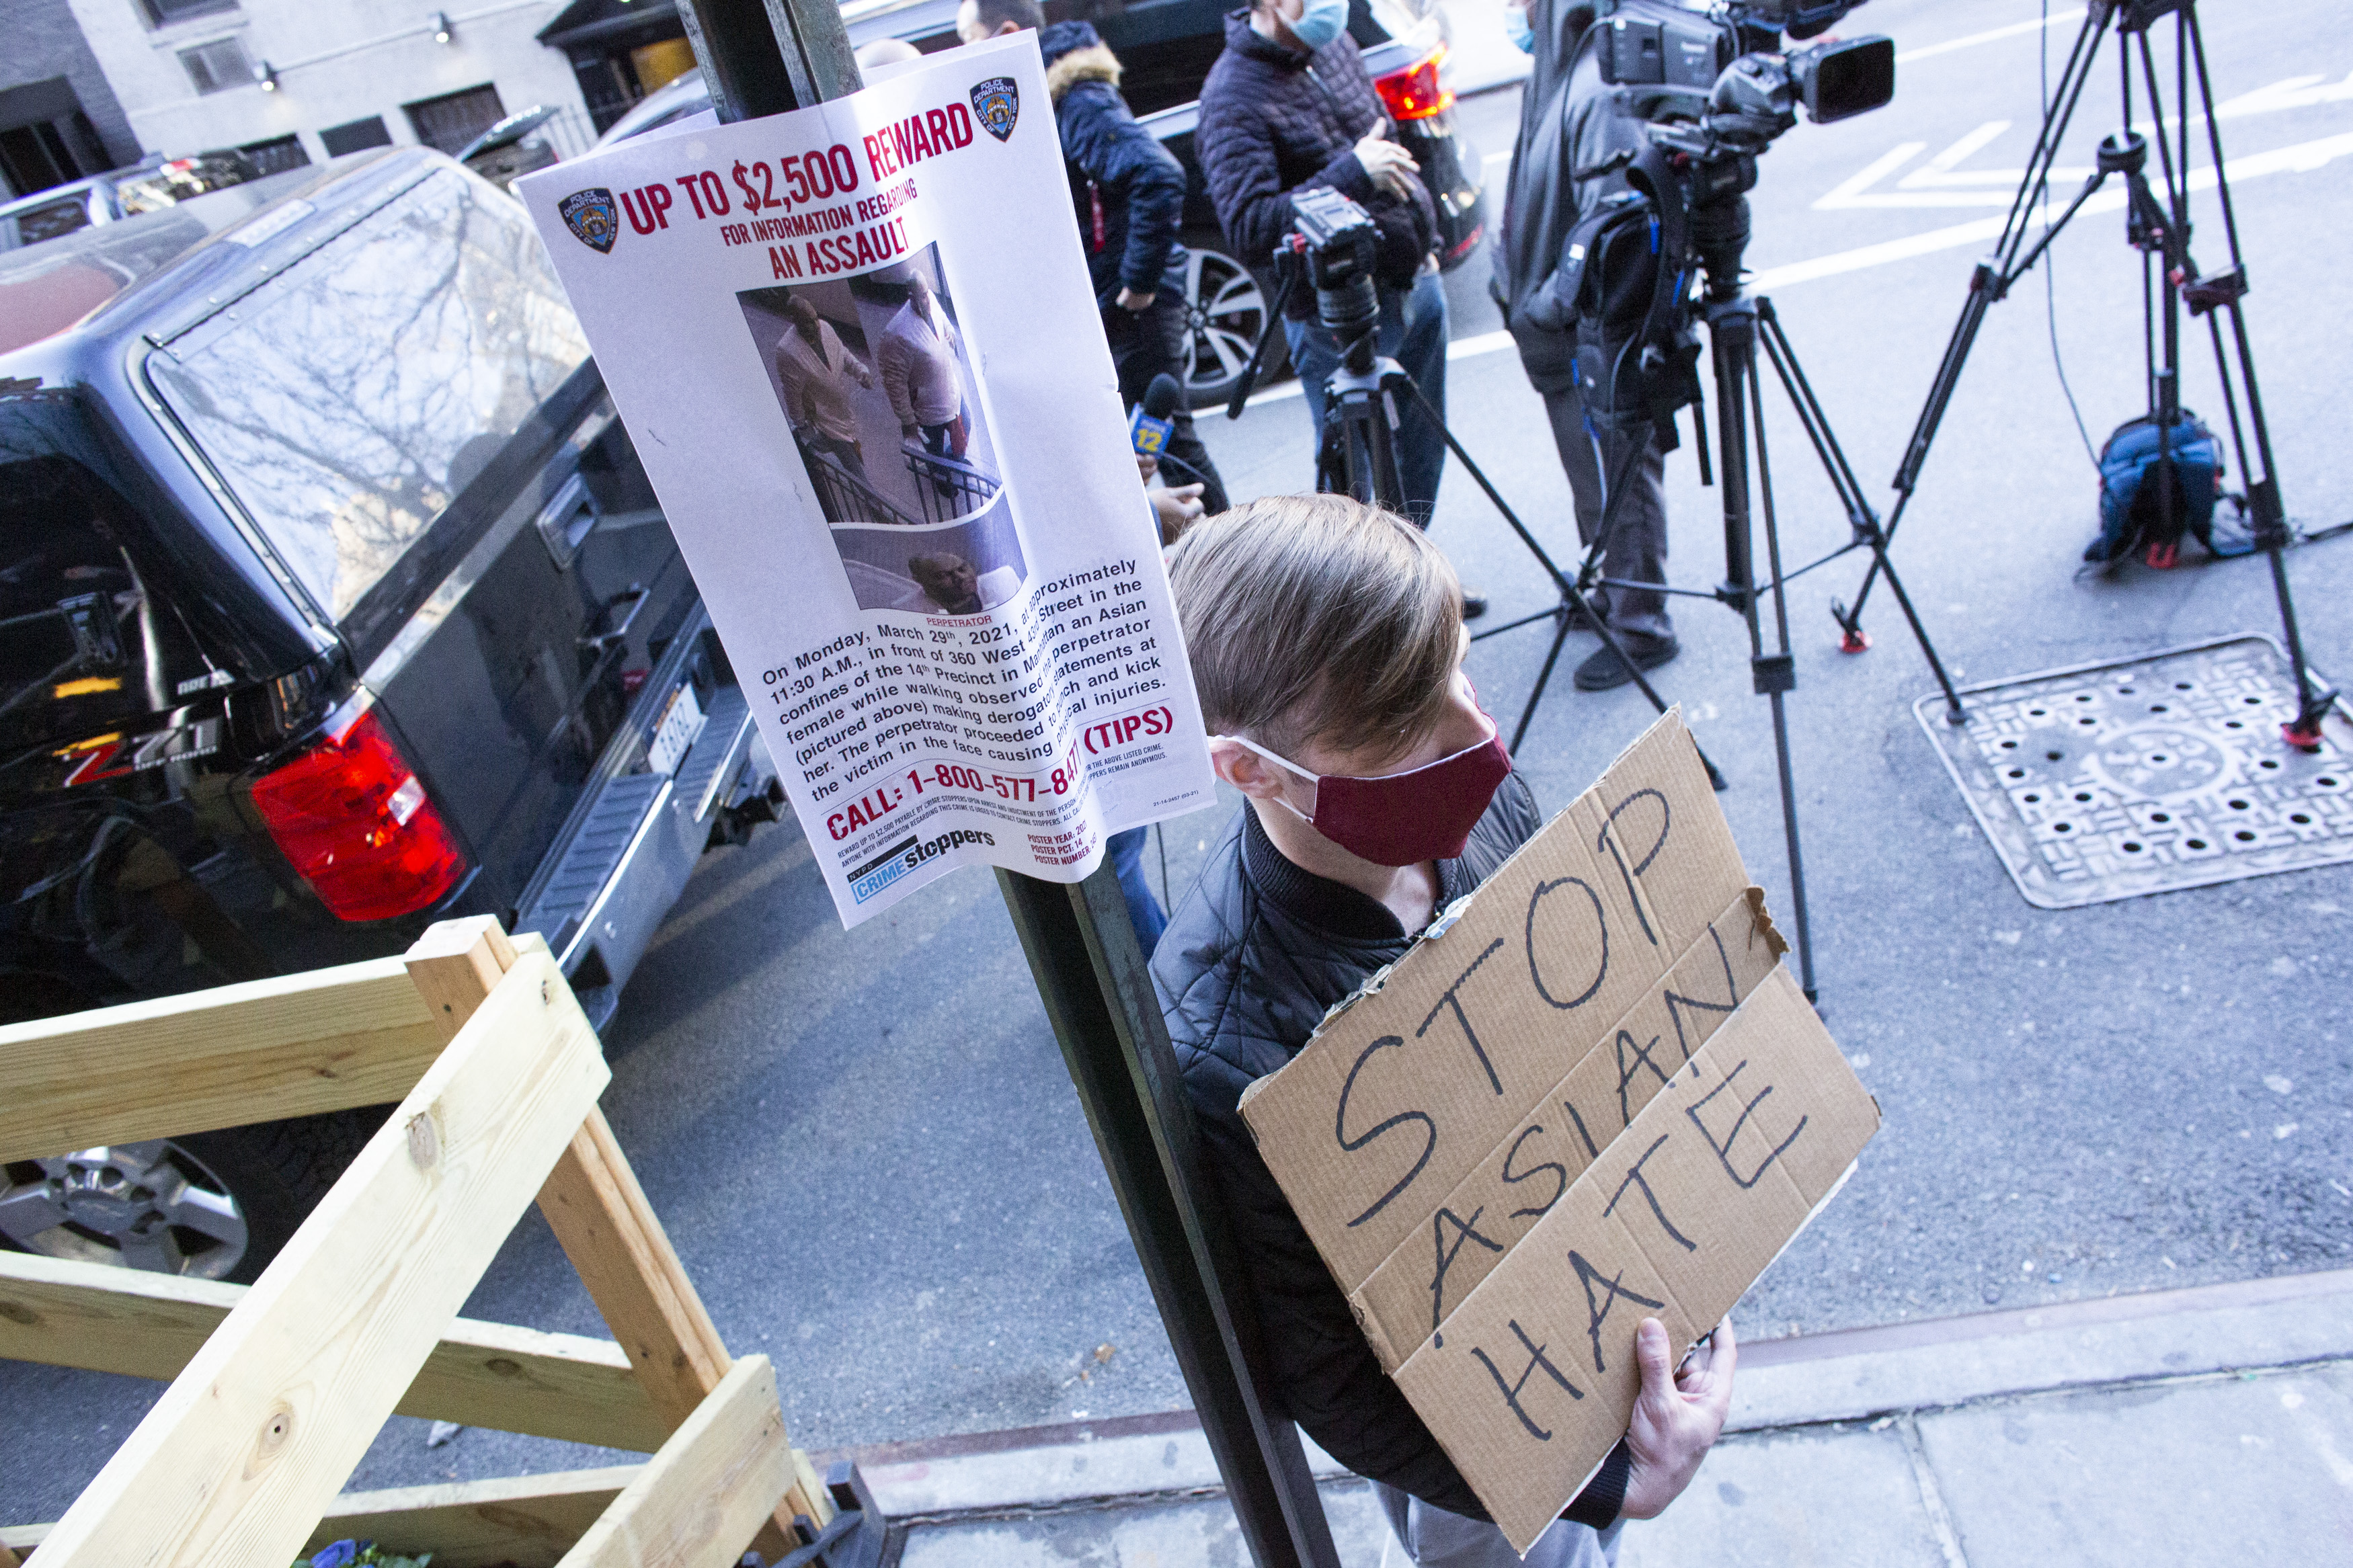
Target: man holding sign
point(1327, 644)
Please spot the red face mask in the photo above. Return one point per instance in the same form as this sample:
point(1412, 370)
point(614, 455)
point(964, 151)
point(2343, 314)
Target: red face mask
point(1403, 820)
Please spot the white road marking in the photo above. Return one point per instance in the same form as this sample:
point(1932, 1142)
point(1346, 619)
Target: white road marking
point(1974, 39)
point(2303, 157)
point(1943, 184)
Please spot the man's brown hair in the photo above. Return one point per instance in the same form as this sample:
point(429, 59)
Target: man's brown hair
point(1318, 619)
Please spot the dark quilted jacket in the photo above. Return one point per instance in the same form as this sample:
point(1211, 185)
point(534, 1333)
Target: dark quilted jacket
point(1129, 190)
point(1275, 120)
point(1251, 958)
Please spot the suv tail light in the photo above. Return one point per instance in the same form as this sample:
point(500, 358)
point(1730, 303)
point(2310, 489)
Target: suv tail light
point(352, 817)
point(1413, 93)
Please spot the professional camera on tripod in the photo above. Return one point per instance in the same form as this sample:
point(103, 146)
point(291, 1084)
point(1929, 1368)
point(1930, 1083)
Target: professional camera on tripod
point(1708, 88)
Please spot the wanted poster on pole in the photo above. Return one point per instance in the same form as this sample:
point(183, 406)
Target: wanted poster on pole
point(858, 352)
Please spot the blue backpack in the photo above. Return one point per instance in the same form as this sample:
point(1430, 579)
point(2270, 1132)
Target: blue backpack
point(2132, 516)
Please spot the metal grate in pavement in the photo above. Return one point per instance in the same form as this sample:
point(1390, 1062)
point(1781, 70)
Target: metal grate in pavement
point(2108, 780)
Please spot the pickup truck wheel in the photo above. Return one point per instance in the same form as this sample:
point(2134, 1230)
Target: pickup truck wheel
point(1225, 311)
point(210, 1205)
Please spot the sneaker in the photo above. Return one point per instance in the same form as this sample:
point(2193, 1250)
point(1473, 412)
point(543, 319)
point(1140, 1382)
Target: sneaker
point(1474, 604)
point(1605, 670)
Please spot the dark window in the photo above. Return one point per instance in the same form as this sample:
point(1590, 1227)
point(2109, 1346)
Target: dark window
point(454, 119)
point(354, 136)
point(162, 13)
point(36, 157)
point(76, 627)
point(64, 215)
point(278, 154)
point(219, 65)
point(349, 401)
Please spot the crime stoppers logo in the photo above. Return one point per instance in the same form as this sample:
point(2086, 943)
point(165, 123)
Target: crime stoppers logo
point(591, 218)
point(906, 855)
point(996, 104)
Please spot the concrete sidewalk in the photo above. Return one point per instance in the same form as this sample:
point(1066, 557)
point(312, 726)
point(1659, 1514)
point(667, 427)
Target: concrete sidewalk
point(2210, 1425)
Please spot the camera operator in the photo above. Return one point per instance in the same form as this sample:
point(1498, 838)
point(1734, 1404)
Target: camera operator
point(1129, 194)
point(1289, 105)
point(1571, 121)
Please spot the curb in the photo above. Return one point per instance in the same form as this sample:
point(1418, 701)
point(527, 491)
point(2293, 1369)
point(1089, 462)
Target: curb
point(1855, 1374)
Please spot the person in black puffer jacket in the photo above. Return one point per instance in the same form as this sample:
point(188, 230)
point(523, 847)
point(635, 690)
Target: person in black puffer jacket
point(1128, 192)
point(1290, 105)
point(1325, 636)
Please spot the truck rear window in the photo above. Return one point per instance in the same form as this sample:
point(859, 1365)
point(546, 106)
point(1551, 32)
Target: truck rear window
point(347, 401)
point(85, 652)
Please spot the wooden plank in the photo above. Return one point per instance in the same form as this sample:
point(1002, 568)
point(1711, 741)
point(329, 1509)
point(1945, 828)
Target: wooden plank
point(291, 1045)
point(9, 1559)
point(530, 1522)
point(252, 1441)
point(698, 1501)
point(600, 1215)
point(578, 1390)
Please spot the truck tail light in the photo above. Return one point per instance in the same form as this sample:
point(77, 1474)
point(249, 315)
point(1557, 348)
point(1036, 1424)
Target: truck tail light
point(352, 817)
point(1413, 93)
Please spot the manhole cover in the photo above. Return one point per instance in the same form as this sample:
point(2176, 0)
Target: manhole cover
point(2107, 781)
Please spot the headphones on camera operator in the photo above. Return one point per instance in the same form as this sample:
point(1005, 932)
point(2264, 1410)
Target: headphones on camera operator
point(1708, 88)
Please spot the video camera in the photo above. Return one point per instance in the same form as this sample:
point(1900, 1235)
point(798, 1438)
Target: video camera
point(1337, 244)
point(1718, 66)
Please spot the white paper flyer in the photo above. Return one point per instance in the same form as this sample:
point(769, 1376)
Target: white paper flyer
point(859, 354)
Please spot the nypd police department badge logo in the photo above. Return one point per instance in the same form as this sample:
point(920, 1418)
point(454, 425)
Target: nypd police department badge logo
point(592, 218)
point(997, 102)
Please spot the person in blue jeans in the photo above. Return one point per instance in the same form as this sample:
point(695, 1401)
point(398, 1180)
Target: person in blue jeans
point(1288, 106)
point(1144, 912)
point(1413, 333)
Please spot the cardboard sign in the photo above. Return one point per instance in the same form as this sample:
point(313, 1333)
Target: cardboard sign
point(1589, 1096)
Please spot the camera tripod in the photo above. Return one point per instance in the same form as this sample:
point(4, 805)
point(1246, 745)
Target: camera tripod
point(1358, 455)
point(2158, 227)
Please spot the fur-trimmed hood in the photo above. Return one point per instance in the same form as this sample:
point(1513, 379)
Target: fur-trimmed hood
point(1074, 53)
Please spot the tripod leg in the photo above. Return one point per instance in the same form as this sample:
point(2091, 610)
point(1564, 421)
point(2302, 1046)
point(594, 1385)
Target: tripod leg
point(1777, 674)
point(1573, 593)
point(1990, 283)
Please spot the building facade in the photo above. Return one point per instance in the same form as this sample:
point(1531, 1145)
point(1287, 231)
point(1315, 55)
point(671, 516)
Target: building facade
point(620, 50)
point(296, 81)
point(59, 119)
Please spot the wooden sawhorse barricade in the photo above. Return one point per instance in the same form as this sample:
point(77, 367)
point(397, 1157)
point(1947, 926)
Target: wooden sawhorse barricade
point(278, 1388)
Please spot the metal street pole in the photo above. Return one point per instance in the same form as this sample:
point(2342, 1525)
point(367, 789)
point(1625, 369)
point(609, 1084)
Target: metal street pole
point(1091, 973)
point(766, 57)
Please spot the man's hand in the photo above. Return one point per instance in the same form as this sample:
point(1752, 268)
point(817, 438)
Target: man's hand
point(1677, 1416)
point(1129, 299)
point(1389, 165)
point(1179, 506)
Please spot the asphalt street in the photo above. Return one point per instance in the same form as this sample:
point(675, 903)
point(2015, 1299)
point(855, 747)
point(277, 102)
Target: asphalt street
point(865, 1144)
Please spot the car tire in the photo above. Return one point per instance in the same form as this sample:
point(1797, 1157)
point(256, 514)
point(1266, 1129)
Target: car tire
point(246, 1191)
point(1225, 313)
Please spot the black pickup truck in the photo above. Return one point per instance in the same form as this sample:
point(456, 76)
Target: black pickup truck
point(333, 601)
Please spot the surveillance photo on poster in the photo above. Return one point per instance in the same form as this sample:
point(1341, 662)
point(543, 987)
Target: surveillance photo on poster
point(883, 424)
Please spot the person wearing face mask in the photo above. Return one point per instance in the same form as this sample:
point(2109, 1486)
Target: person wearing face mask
point(1289, 105)
point(1326, 645)
point(1570, 122)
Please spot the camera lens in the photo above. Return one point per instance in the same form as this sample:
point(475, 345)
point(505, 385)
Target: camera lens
point(1848, 78)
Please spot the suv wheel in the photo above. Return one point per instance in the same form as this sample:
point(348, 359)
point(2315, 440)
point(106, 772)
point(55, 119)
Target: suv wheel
point(212, 1206)
point(1225, 311)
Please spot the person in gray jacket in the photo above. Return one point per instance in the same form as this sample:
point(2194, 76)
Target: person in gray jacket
point(1570, 124)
